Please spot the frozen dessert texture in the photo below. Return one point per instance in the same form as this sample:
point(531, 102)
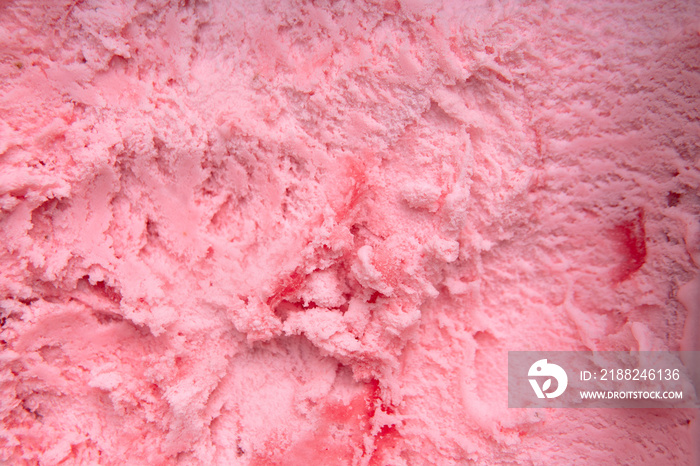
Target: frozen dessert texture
point(292, 232)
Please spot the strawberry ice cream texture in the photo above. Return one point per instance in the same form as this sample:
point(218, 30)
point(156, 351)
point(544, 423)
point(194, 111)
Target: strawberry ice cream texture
point(308, 232)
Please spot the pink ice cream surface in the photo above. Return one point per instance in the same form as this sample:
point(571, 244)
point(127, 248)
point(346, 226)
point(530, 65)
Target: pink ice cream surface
point(308, 233)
